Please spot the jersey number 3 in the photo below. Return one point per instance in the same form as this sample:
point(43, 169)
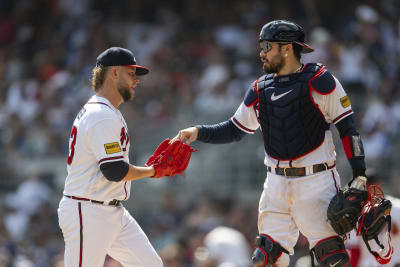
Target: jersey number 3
point(72, 138)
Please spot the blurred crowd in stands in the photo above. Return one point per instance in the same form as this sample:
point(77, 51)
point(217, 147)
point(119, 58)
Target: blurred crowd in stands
point(203, 55)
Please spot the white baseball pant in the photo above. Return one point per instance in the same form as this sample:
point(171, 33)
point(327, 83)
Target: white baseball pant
point(93, 230)
point(289, 205)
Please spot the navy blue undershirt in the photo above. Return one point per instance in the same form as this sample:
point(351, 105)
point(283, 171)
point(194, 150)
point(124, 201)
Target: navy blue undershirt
point(114, 171)
point(221, 133)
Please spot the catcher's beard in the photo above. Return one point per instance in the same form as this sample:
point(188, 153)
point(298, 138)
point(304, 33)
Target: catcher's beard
point(275, 65)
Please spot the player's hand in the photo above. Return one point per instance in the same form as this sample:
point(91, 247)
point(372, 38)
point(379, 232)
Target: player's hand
point(187, 135)
point(360, 182)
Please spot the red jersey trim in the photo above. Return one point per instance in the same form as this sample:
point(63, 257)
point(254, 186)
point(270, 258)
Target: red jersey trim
point(111, 158)
point(126, 193)
point(235, 121)
point(342, 115)
point(81, 234)
point(334, 181)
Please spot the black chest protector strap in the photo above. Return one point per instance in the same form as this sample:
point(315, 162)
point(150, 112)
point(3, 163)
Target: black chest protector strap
point(291, 123)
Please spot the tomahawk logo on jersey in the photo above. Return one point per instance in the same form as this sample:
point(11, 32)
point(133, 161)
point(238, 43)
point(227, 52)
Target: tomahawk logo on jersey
point(99, 130)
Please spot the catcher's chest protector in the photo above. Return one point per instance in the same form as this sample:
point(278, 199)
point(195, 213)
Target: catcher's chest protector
point(291, 124)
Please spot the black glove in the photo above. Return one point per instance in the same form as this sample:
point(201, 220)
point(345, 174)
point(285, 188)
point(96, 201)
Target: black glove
point(345, 209)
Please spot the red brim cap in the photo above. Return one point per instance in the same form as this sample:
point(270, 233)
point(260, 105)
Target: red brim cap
point(306, 47)
point(140, 70)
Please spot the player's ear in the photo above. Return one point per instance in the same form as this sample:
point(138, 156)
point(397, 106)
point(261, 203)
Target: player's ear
point(286, 50)
point(114, 72)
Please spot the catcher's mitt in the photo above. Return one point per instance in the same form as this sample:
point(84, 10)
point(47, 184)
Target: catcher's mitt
point(170, 159)
point(345, 209)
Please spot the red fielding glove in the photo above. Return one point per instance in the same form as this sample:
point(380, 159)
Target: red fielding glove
point(170, 159)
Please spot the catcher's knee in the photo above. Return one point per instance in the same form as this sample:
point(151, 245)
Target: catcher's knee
point(267, 252)
point(331, 252)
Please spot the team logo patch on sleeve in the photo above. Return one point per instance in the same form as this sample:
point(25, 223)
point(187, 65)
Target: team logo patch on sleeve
point(112, 148)
point(345, 101)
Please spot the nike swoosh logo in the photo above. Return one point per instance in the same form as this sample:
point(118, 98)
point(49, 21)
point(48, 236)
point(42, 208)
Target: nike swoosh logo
point(333, 265)
point(276, 97)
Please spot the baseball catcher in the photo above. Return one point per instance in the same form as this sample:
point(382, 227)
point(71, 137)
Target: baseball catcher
point(170, 158)
point(294, 105)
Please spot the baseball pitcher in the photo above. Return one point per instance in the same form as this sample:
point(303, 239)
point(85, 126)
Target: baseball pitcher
point(91, 215)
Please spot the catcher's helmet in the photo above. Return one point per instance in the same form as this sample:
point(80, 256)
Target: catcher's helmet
point(284, 31)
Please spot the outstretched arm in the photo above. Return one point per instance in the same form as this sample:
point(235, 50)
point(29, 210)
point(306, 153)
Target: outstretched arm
point(221, 133)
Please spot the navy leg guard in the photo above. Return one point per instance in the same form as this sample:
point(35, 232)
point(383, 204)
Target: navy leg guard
point(267, 252)
point(331, 252)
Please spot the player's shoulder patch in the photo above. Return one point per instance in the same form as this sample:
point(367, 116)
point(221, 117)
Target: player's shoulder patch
point(323, 82)
point(251, 96)
point(112, 148)
point(345, 101)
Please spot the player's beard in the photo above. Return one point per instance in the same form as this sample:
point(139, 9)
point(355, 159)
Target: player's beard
point(275, 65)
point(125, 92)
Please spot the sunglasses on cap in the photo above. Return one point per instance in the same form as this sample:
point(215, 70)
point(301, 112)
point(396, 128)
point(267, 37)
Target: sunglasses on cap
point(266, 46)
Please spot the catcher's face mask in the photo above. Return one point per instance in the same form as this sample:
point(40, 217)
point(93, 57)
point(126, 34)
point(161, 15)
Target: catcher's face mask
point(373, 223)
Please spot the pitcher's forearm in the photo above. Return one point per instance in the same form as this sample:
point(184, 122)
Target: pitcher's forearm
point(137, 173)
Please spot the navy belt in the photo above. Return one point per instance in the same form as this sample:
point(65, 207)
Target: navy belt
point(300, 171)
point(113, 202)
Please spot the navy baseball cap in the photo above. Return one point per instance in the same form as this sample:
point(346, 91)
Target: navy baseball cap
point(118, 56)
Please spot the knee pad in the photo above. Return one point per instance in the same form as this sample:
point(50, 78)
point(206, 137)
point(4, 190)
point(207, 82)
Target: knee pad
point(331, 252)
point(267, 252)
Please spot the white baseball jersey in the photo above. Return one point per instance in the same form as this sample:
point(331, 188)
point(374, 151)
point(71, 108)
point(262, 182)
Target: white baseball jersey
point(334, 106)
point(99, 134)
point(92, 230)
